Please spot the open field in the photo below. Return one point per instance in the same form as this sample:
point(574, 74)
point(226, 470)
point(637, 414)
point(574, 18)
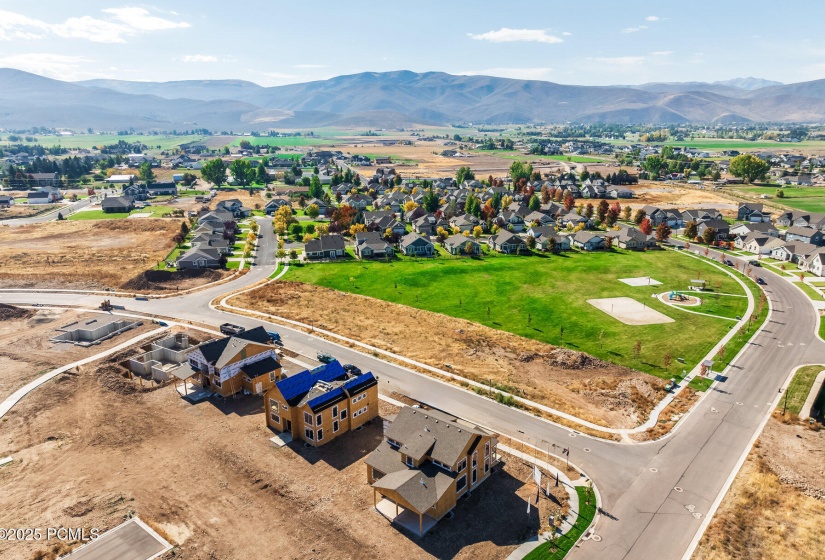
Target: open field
point(811, 199)
point(92, 140)
point(600, 392)
point(24, 210)
point(544, 298)
point(775, 507)
point(718, 144)
point(105, 446)
point(83, 254)
point(281, 141)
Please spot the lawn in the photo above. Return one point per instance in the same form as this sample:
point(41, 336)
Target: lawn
point(90, 140)
point(544, 298)
point(155, 211)
point(812, 293)
point(797, 392)
point(557, 549)
point(810, 199)
point(281, 141)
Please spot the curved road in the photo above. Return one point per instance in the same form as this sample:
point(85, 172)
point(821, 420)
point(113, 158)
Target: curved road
point(655, 496)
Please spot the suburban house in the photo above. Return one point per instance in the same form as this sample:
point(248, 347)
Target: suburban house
point(274, 203)
point(427, 461)
point(755, 243)
point(572, 220)
point(632, 238)
point(752, 212)
point(506, 242)
point(323, 207)
point(721, 227)
point(429, 224)
point(6, 201)
point(326, 247)
point(162, 188)
point(815, 264)
point(207, 240)
point(465, 222)
point(117, 204)
point(357, 201)
point(45, 179)
point(792, 252)
point(543, 235)
point(199, 257)
point(42, 197)
point(589, 240)
point(701, 214)
point(371, 244)
point(414, 245)
point(804, 234)
point(460, 244)
point(244, 362)
point(234, 207)
point(764, 228)
point(319, 405)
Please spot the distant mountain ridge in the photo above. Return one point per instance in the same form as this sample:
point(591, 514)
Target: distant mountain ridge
point(392, 99)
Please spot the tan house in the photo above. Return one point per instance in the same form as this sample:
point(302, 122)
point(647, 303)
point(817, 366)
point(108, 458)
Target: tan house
point(319, 405)
point(242, 362)
point(427, 461)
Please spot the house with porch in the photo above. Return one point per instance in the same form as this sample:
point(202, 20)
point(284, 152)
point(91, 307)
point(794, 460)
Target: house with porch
point(318, 405)
point(752, 212)
point(427, 461)
point(507, 242)
point(589, 240)
point(414, 245)
point(543, 236)
point(371, 245)
point(330, 246)
point(460, 244)
point(805, 235)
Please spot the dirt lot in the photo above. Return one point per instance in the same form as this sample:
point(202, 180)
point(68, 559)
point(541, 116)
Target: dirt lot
point(575, 383)
point(771, 510)
point(25, 350)
point(24, 210)
point(92, 448)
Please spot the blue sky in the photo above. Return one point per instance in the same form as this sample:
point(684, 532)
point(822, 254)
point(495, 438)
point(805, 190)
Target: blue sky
point(272, 42)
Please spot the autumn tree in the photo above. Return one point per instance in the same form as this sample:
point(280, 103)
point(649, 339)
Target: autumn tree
point(709, 235)
point(312, 211)
point(602, 211)
point(646, 227)
point(626, 213)
point(691, 230)
point(640, 215)
point(663, 232)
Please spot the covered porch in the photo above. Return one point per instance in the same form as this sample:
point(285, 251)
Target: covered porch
point(407, 518)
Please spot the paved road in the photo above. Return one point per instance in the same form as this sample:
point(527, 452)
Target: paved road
point(647, 517)
point(66, 210)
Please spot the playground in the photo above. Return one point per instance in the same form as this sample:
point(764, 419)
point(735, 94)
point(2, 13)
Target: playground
point(679, 298)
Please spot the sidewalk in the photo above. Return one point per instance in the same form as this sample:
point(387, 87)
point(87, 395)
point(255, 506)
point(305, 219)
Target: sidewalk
point(809, 402)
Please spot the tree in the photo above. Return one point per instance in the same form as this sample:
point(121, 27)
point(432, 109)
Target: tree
point(569, 202)
point(601, 213)
point(535, 203)
point(296, 229)
point(780, 193)
point(261, 174)
point(749, 167)
point(653, 164)
point(626, 213)
point(531, 242)
point(640, 215)
point(430, 202)
point(214, 171)
point(691, 230)
point(145, 172)
point(637, 349)
point(242, 171)
point(464, 174)
point(709, 235)
point(312, 211)
point(179, 238)
point(315, 188)
point(663, 232)
point(477, 231)
point(520, 170)
point(646, 227)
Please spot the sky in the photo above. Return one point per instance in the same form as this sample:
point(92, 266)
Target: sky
point(599, 42)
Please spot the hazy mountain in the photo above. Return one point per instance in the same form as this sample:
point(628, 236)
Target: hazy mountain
point(749, 83)
point(390, 99)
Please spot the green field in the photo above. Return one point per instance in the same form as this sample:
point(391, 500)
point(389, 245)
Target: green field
point(810, 199)
point(281, 141)
point(716, 144)
point(537, 297)
point(516, 154)
point(156, 211)
point(90, 140)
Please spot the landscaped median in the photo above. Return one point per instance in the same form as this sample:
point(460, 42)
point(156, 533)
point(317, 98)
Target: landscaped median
point(558, 547)
point(798, 390)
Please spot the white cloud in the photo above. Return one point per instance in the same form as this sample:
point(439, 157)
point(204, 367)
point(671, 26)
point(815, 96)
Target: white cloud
point(62, 67)
point(633, 29)
point(514, 73)
point(199, 58)
point(309, 66)
point(507, 35)
point(142, 20)
point(652, 18)
point(566, 34)
point(618, 60)
point(661, 53)
point(122, 23)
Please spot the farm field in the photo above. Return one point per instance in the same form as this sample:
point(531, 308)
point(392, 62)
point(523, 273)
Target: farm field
point(90, 140)
point(810, 199)
point(741, 145)
point(544, 298)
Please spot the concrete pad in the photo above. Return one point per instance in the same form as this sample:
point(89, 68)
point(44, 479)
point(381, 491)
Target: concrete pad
point(140, 215)
point(281, 439)
point(640, 281)
point(629, 311)
point(406, 518)
point(133, 540)
point(5, 461)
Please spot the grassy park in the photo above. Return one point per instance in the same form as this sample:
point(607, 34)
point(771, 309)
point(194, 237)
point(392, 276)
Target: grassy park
point(810, 199)
point(544, 298)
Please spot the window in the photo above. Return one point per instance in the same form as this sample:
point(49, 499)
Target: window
point(487, 449)
point(307, 418)
point(320, 434)
point(394, 444)
point(309, 434)
point(486, 465)
point(275, 418)
point(344, 414)
point(216, 381)
point(335, 411)
point(475, 476)
point(462, 465)
point(319, 420)
point(334, 426)
point(285, 407)
point(409, 461)
point(272, 377)
point(475, 459)
point(460, 483)
point(273, 405)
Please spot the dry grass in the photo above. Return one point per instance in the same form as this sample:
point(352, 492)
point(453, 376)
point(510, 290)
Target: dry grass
point(599, 392)
point(97, 253)
point(763, 517)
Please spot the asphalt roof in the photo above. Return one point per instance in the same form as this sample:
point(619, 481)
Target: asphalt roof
point(261, 367)
point(421, 488)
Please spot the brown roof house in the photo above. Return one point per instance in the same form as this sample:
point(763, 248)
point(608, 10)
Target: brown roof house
point(427, 461)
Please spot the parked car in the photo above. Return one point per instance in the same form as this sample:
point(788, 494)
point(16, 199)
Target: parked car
point(754, 263)
point(324, 358)
point(728, 262)
point(354, 370)
point(760, 281)
point(274, 337)
point(231, 330)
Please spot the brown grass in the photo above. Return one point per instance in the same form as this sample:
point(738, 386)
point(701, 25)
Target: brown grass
point(596, 391)
point(94, 253)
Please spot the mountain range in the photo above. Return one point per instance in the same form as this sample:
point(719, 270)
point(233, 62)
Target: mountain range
point(392, 99)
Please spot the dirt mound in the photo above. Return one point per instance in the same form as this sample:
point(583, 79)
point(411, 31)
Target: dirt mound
point(570, 359)
point(149, 279)
point(10, 312)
